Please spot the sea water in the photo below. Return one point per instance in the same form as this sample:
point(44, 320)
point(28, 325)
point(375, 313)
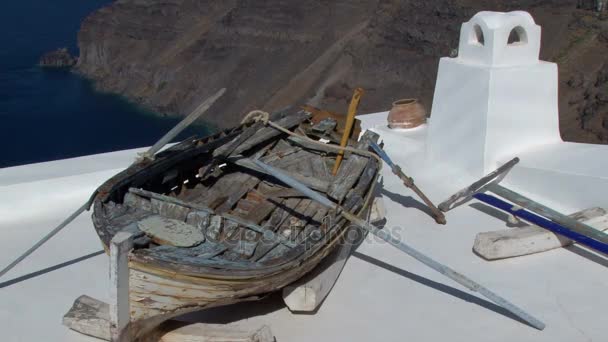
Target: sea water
point(48, 114)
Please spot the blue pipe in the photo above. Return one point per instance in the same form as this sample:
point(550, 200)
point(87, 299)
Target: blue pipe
point(543, 222)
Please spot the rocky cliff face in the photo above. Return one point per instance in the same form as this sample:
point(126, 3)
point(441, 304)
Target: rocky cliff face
point(171, 54)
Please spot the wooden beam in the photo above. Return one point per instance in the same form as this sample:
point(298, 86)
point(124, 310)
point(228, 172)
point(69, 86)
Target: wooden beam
point(268, 133)
point(120, 317)
point(532, 239)
point(307, 293)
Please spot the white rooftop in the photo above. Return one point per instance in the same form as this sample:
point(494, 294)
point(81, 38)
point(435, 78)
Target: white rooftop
point(382, 294)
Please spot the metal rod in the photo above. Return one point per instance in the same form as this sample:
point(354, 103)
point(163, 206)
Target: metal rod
point(150, 153)
point(450, 273)
point(46, 238)
point(466, 193)
point(409, 182)
point(350, 121)
point(549, 213)
point(202, 108)
point(543, 222)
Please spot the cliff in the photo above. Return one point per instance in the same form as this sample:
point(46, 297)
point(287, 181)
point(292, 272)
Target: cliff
point(170, 54)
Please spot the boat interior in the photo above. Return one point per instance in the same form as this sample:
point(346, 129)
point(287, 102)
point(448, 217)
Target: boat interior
point(196, 207)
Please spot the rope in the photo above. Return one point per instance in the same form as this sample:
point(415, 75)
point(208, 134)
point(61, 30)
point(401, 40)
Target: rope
point(255, 116)
point(259, 115)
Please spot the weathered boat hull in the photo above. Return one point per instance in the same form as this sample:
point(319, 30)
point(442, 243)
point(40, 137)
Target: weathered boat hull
point(165, 282)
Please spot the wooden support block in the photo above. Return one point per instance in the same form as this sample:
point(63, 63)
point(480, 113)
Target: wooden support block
point(307, 293)
point(532, 239)
point(378, 211)
point(166, 231)
point(91, 317)
point(120, 246)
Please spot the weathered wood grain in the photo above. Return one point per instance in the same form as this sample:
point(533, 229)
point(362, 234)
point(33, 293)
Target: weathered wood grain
point(351, 169)
point(311, 182)
point(120, 317)
point(532, 239)
point(169, 281)
point(267, 133)
point(308, 292)
point(274, 223)
point(166, 231)
point(240, 188)
point(89, 316)
point(201, 207)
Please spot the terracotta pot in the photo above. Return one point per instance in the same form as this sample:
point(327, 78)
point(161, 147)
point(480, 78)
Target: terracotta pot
point(406, 113)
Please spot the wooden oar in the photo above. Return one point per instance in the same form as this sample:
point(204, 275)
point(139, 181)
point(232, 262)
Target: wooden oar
point(148, 154)
point(409, 182)
point(350, 121)
point(445, 270)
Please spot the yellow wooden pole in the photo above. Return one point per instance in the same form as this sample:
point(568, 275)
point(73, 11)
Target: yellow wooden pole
point(350, 120)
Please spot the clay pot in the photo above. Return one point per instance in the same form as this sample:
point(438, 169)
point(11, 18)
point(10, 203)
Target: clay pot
point(406, 113)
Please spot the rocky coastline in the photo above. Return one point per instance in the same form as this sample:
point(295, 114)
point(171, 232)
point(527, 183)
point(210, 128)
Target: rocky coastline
point(60, 58)
point(168, 56)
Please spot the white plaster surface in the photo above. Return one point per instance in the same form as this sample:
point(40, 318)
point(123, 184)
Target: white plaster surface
point(493, 100)
point(382, 294)
point(484, 113)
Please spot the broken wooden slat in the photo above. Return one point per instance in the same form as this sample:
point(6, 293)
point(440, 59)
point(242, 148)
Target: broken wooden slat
point(351, 169)
point(201, 207)
point(311, 182)
point(267, 133)
point(324, 127)
point(227, 149)
point(261, 211)
point(274, 223)
point(532, 239)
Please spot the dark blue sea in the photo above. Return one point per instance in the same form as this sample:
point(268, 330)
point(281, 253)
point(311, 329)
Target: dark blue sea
point(49, 114)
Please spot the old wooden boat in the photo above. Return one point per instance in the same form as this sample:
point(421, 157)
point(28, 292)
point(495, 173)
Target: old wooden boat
point(212, 230)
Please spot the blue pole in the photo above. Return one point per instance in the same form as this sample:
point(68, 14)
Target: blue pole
point(380, 152)
point(542, 222)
